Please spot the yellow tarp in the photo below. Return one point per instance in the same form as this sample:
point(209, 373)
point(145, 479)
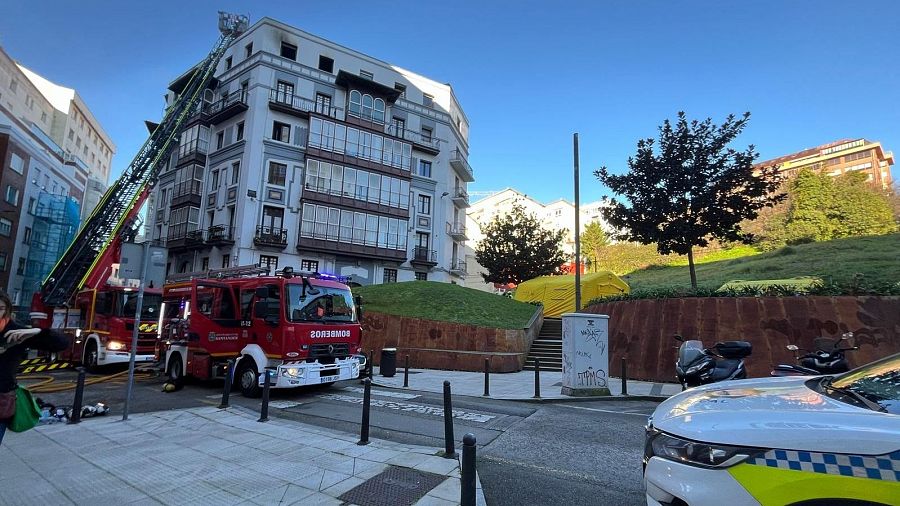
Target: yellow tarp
point(557, 293)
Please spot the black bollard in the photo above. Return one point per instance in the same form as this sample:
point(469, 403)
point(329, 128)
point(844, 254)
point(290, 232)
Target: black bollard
point(487, 378)
point(467, 479)
point(79, 395)
point(226, 389)
point(264, 410)
point(624, 377)
point(537, 378)
point(449, 443)
point(364, 428)
point(406, 374)
point(371, 363)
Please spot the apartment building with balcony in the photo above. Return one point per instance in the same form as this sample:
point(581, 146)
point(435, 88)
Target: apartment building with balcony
point(312, 155)
point(840, 157)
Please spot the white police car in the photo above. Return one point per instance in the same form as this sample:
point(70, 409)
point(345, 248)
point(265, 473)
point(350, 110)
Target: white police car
point(805, 441)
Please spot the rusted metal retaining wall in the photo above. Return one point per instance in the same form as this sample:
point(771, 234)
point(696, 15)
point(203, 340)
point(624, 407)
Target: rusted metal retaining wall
point(642, 329)
point(449, 346)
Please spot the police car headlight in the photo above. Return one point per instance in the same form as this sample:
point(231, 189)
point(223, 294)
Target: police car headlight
point(115, 346)
point(699, 454)
point(294, 372)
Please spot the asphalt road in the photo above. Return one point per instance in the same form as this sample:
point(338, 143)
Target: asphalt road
point(528, 453)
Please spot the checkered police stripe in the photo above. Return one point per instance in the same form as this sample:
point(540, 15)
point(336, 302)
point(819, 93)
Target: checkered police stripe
point(878, 467)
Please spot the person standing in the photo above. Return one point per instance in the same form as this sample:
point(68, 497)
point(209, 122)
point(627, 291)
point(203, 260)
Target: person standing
point(15, 340)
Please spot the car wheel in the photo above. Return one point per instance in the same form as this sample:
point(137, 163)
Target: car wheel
point(248, 378)
point(91, 357)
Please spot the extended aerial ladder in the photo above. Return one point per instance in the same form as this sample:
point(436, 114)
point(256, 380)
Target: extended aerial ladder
point(89, 259)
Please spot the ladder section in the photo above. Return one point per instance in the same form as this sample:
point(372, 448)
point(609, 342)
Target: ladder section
point(547, 347)
point(120, 204)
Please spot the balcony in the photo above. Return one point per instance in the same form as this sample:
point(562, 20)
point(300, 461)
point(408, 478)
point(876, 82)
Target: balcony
point(459, 163)
point(187, 193)
point(226, 107)
point(458, 267)
point(178, 240)
point(457, 230)
point(296, 105)
point(460, 197)
point(427, 143)
point(220, 235)
point(423, 256)
point(323, 244)
point(192, 152)
point(271, 237)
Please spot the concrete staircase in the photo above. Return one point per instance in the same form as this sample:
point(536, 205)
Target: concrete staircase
point(547, 347)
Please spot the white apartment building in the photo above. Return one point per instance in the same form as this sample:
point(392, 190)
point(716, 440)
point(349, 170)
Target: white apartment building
point(312, 155)
point(556, 215)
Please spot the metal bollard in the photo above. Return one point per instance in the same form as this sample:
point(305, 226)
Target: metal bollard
point(624, 377)
point(467, 478)
point(226, 389)
point(449, 443)
point(406, 374)
point(364, 428)
point(371, 363)
point(264, 410)
point(537, 378)
point(487, 379)
point(79, 396)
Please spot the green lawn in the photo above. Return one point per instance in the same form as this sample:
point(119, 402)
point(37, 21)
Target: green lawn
point(875, 257)
point(445, 302)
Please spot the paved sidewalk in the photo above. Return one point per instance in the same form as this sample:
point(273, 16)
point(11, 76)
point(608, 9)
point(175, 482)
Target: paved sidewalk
point(213, 456)
point(514, 385)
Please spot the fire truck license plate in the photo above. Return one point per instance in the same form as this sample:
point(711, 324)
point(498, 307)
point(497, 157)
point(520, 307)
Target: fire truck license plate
point(327, 379)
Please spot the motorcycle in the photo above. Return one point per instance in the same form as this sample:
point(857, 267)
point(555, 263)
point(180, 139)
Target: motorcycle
point(827, 358)
point(722, 361)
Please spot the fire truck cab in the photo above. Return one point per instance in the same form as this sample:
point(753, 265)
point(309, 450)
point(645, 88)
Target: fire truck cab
point(303, 327)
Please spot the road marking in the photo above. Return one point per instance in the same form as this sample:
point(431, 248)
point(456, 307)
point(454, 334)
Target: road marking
point(415, 408)
point(382, 393)
point(605, 410)
point(283, 404)
point(544, 469)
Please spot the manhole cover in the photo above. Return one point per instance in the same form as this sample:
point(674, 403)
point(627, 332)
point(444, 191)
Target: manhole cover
point(394, 486)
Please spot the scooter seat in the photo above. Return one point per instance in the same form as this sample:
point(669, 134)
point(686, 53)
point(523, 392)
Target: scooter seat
point(725, 368)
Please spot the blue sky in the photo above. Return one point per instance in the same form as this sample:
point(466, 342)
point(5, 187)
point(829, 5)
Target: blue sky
point(528, 73)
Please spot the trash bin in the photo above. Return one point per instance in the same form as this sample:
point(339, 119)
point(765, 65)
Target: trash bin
point(388, 366)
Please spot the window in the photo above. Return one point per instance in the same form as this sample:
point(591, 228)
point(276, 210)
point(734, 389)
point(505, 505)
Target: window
point(5, 227)
point(421, 276)
point(281, 131)
point(235, 172)
point(284, 92)
point(220, 140)
point(240, 132)
point(21, 269)
point(277, 173)
point(323, 104)
point(424, 204)
point(71, 134)
point(17, 164)
point(401, 88)
point(214, 180)
point(288, 51)
point(12, 195)
point(309, 265)
point(426, 134)
point(26, 238)
point(32, 205)
point(427, 100)
point(390, 275)
point(228, 63)
point(43, 117)
point(3, 258)
point(398, 125)
point(424, 168)
point(204, 264)
point(365, 74)
point(326, 64)
point(273, 218)
point(248, 50)
point(225, 261)
point(269, 262)
point(13, 85)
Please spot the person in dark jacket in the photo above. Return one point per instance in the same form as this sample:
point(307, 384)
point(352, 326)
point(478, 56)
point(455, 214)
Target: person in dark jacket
point(15, 340)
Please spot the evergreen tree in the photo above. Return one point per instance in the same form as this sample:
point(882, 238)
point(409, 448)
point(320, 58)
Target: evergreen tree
point(593, 242)
point(690, 188)
point(516, 248)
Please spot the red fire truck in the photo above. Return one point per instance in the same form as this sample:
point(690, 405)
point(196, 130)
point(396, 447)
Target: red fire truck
point(303, 327)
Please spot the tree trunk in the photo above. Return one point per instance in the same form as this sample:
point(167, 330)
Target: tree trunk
point(691, 266)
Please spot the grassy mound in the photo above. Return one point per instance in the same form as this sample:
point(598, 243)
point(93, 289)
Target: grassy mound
point(445, 302)
point(875, 258)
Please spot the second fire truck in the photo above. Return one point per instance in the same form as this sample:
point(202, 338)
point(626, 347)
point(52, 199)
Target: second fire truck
point(303, 327)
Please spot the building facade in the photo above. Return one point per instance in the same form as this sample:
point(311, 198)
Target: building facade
point(840, 157)
point(315, 156)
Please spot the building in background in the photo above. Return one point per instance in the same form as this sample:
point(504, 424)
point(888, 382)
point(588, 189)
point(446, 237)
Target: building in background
point(42, 185)
point(556, 215)
point(840, 157)
point(315, 156)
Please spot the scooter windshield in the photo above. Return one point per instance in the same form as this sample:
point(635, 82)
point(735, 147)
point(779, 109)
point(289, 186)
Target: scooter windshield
point(690, 351)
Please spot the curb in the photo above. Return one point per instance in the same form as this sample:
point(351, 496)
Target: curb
point(543, 400)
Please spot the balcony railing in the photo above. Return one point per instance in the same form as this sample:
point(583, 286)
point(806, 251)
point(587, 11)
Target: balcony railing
point(423, 255)
point(226, 107)
point(196, 146)
point(191, 187)
point(271, 236)
point(179, 238)
point(297, 105)
point(460, 197)
point(458, 267)
point(457, 230)
point(458, 162)
point(220, 235)
point(428, 141)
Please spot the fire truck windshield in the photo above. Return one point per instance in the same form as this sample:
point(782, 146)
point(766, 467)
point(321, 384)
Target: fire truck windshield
point(149, 307)
point(327, 305)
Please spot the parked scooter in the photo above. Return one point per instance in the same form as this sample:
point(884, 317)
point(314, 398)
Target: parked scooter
point(697, 365)
point(828, 358)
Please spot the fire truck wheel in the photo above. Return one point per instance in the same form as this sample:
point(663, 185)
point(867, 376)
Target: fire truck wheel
point(90, 357)
point(176, 371)
point(249, 378)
